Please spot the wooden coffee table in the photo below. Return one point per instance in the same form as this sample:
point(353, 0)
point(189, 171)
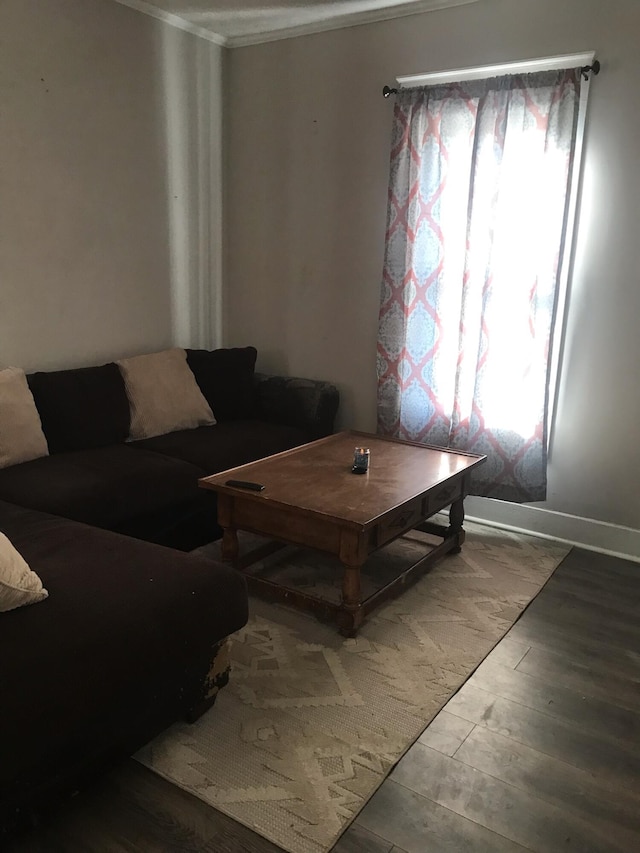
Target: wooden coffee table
point(312, 499)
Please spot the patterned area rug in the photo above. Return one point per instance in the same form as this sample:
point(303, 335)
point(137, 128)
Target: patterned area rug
point(311, 723)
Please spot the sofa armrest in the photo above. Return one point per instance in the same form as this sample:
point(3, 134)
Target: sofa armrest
point(308, 404)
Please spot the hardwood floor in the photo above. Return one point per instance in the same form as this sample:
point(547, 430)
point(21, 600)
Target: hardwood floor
point(538, 751)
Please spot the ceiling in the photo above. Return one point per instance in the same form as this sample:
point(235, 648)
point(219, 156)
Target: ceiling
point(238, 22)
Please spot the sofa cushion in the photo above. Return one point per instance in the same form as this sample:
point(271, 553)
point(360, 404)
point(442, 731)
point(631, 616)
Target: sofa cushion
point(18, 584)
point(21, 436)
point(126, 627)
point(163, 394)
point(225, 377)
point(109, 487)
point(225, 445)
point(82, 408)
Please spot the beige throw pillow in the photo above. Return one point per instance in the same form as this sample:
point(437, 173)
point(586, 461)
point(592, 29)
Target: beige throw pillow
point(21, 436)
point(18, 584)
point(163, 394)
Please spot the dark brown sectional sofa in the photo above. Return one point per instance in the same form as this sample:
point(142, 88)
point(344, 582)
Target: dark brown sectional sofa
point(133, 633)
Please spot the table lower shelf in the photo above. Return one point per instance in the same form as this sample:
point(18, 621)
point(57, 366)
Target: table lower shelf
point(349, 616)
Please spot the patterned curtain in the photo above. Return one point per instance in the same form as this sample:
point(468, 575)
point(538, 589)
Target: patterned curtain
point(478, 198)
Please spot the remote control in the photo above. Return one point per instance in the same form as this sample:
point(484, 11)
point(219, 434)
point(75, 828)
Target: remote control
point(245, 484)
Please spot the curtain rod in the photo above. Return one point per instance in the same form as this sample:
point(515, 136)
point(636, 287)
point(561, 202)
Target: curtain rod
point(584, 70)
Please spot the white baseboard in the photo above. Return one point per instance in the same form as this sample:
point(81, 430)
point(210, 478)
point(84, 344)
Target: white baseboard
point(586, 533)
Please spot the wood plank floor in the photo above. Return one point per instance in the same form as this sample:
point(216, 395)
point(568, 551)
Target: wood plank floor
point(538, 751)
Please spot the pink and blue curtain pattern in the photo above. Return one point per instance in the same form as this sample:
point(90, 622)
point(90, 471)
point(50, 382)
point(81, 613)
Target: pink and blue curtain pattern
point(478, 197)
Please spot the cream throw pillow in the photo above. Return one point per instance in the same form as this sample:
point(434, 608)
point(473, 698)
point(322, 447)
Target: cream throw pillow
point(163, 394)
point(18, 584)
point(21, 436)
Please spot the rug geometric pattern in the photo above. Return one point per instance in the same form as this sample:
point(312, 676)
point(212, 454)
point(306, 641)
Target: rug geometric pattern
point(311, 723)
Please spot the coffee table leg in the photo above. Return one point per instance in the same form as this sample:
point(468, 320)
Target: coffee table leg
point(230, 548)
point(351, 614)
point(456, 520)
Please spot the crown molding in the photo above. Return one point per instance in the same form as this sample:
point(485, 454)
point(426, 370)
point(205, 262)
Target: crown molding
point(175, 21)
point(338, 22)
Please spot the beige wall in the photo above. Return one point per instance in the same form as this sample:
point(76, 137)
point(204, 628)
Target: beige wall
point(308, 137)
point(102, 137)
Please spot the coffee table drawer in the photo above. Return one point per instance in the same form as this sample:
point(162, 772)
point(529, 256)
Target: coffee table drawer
point(445, 495)
point(402, 520)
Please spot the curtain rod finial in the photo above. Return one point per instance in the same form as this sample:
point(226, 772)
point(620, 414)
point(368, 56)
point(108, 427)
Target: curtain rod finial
point(387, 91)
point(595, 68)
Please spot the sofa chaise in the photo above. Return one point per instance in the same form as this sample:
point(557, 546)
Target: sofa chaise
point(131, 638)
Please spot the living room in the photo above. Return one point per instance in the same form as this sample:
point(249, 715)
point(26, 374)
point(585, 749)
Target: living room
point(98, 95)
point(160, 189)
